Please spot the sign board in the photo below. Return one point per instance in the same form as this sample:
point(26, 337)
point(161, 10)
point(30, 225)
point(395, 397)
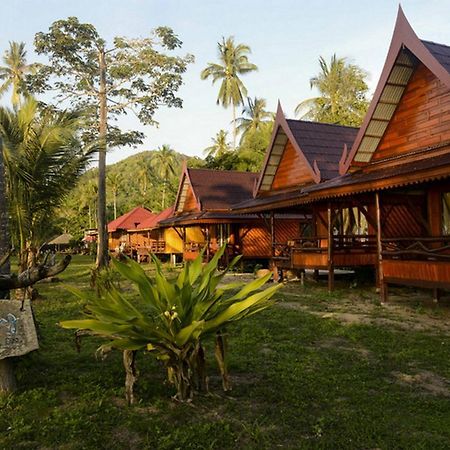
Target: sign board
point(17, 329)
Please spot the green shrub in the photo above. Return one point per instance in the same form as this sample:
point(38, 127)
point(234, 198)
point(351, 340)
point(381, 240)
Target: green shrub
point(170, 317)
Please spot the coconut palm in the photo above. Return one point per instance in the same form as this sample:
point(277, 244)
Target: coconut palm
point(342, 94)
point(14, 70)
point(255, 117)
point(88, 199)
point(233, 61)
point(164, 162)
point(43, 159)
point(220, 145)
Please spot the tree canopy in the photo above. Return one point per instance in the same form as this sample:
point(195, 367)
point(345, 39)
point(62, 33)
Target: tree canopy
point(342, 95)
point(233, 62)
point(131, 75)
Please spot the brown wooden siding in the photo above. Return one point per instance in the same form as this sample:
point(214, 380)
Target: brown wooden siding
point(255, 242)
point(286, 230)
point(429, 273)
point(422, 118)
point(401, 221)
point(190, 204)
point(292, 170)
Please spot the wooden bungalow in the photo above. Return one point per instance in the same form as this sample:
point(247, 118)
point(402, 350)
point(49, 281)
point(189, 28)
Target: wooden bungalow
point(304, 154)
point(202, 216)
point(120, 230)
point(399, 164)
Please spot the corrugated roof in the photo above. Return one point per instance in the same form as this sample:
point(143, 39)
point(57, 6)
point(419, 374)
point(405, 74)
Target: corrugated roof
point(131, 219)
point(219, 189)
point(152, 222)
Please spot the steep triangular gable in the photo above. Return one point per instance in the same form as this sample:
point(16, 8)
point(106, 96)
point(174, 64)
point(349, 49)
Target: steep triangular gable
point(285, 164)
point(406, 52)
point(186, 199)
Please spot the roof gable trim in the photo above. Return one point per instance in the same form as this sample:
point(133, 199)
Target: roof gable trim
point(403, 37)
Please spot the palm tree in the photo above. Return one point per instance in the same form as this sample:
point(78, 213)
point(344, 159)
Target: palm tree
point(233, 61)
point(14, 70)
point(255, 117)
point(43, 160)
point(88, 199)
point(220, 145)
point(114, 180)
point(342, 88)
point(163, 162)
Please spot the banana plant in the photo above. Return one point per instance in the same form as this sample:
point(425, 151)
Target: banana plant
point(170, 317)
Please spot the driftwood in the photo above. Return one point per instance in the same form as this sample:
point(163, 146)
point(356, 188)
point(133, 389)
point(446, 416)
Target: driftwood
point(32, 275)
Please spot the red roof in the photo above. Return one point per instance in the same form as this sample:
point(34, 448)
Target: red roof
point(131, 219)
point(152, 222)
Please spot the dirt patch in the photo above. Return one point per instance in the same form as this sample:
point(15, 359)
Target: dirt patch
point(361, 307)
point(344, 345)
point(426, 381)
point(127, 438)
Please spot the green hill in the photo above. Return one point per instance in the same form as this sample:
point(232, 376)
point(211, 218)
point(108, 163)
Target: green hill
point(132, 181)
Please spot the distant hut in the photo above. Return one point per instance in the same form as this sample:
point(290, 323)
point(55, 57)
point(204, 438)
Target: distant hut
point(60, 243)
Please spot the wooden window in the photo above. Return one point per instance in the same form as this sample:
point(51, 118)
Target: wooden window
point(446, 213)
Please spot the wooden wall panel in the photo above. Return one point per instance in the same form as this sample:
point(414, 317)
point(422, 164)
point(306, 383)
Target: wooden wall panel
point(255, 242)
point(417, 272)
point(422, 118)
point(190, 204)
point(401, 221)
point(286, 230)
point(174, 243)
point(292, 170)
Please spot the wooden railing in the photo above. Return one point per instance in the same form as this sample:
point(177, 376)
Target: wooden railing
point(417, 248)
point(157, 246)
point(319, 244)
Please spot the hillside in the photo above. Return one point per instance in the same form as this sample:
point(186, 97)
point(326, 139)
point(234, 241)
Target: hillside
point(131, 181)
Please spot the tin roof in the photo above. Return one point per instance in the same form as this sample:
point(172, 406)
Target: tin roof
point(131, 219)
point(152, 222)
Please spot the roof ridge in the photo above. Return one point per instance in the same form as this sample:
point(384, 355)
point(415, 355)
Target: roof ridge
point(435, 43)
point(222, 171)
point(323, 123)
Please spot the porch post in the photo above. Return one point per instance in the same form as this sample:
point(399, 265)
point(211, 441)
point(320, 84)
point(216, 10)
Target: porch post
point(330, 251)
point(382, 284)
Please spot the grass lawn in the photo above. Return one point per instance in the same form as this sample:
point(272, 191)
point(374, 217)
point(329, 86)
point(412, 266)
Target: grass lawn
point(316, 371)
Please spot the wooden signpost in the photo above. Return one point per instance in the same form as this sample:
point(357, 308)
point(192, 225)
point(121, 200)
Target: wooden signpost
point(17, 329)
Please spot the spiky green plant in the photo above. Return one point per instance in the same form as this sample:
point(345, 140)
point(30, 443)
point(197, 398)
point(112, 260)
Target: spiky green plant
point(170, 317)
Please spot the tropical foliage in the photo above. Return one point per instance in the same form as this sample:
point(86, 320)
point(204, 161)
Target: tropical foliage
point(342, 96)
point(14, 71)
point(132, 75)
point(163, 163)
point(43, 159)
point(219, 147)
point(172, 316)
point(233, 62)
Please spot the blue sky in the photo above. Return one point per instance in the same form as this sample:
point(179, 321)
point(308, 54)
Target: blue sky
point(286, 38)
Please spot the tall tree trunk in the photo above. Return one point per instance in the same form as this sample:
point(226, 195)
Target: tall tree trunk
point(102, 241)
point(234, 127)
point(7, 378)
point(115, 204)
point(163, 203)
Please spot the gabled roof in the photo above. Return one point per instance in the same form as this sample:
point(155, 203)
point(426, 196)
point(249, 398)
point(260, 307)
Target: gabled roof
point(319, 146)
point(215, 189)
point(130, 220)
point(405, 51)
point(152, 222)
